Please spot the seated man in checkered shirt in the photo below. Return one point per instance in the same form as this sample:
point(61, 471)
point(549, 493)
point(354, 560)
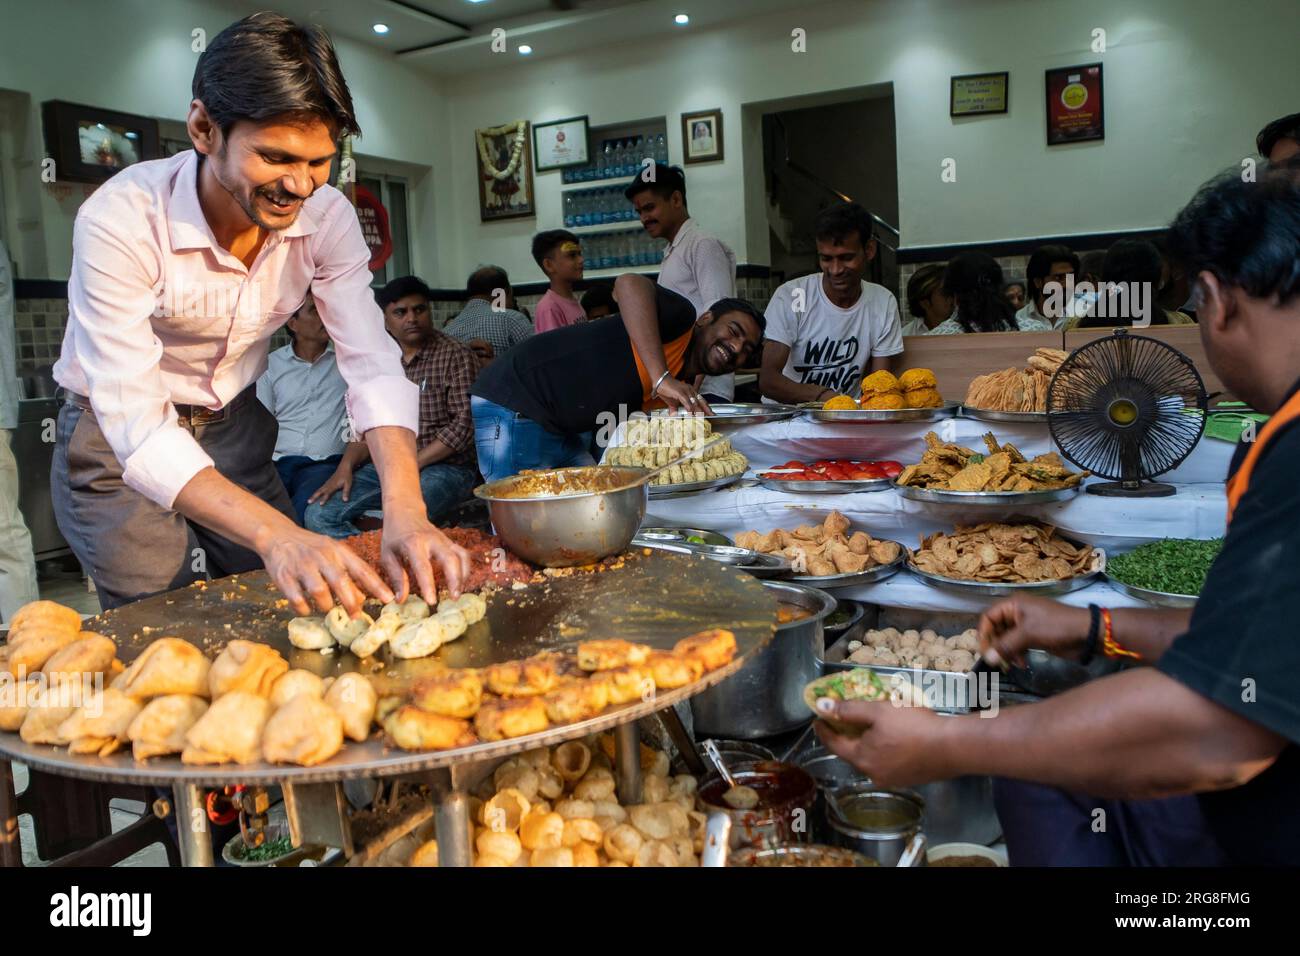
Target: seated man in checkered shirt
point(443, 369)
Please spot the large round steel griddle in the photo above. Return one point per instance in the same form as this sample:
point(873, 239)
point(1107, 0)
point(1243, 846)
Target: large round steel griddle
point(655, 599)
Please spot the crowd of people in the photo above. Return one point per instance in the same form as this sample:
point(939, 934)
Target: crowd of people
point(501, 390)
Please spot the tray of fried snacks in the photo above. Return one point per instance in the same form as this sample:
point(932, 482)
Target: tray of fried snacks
point(652, 441)
point(829, 554)
point(1014, 394)
point(911, 397)
point(999, 560)
point(940, 666)
point(559, 806)
point(952, 474)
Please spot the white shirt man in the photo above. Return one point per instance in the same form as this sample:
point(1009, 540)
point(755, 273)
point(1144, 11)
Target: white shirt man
point(832, 346)
point(696, 266)
point(701, 269)
point(308, 399)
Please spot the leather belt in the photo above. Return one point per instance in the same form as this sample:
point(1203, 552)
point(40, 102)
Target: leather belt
point(190, 416)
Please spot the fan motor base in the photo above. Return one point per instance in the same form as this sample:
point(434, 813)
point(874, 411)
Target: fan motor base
point(1118, 489)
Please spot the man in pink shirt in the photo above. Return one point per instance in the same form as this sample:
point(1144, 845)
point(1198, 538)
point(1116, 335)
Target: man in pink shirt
point(558, 254)
point(182, 269)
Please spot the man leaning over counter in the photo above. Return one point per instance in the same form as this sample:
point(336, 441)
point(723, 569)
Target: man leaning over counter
point(182, 269)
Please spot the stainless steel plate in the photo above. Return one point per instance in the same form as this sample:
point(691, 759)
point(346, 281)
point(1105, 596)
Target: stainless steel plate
point(692, 487)
point(872, 416)
point(994, 498)
point(1006, 589)
point(1158, 598)
point(826, 487)
point(768, 566)
point(989, 415)
point(654, 599)
point(825, 581)
point(728, 414)
point(722, 553)
point(682, 534)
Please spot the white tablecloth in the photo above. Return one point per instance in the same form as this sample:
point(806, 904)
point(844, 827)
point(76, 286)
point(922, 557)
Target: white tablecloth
point(1198, 510)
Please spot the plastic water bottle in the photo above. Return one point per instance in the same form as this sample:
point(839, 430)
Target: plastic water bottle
point(661, 149)
point(570, 215)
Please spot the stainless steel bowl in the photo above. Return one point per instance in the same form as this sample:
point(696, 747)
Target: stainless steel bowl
point(885, 842)
point(959, 810)
point(799, 854)
point(782, 819)
point(765, 697)
point(561, 531)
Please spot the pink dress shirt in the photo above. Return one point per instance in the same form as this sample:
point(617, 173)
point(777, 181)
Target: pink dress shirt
point(159, 313)
point(555, 311)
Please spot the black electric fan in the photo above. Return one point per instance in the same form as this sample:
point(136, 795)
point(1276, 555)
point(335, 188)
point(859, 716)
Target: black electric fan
point(1129, 408)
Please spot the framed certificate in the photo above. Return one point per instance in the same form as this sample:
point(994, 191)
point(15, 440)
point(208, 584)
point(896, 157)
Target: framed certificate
point(1075, 107)
point(977, 93)
point(561, 143)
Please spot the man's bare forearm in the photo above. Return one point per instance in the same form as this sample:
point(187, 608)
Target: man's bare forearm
point(635, 296)
point(393, 450)
point(217, 503)
point(781, 389)
point(1148, 630)
point(1136, 735)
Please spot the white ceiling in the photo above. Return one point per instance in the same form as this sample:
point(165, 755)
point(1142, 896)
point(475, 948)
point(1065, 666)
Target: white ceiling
point(450, 37)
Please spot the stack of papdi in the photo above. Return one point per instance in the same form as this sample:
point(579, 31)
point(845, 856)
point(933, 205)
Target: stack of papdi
point(1011, 553)
point(947, 466)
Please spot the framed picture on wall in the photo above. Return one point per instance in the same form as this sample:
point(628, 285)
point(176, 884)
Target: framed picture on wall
point(1075, 106)
point(89, 144)
point(561, 143)
point(975, 94)
point(505, 172)
point(702, 136)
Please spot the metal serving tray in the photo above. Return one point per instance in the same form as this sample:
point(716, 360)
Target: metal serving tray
point(994, 498)
point(826, 487)
point(692, 487)
point(946, 691)
point(990, 415)
point(879, 416)
point(1158, 598)
point(827, 581)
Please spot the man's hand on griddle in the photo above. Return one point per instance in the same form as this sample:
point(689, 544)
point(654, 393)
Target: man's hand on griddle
point(410, 541)
point(310, 568)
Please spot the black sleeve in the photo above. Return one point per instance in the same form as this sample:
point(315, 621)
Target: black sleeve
point(675, 312)
point(1242, 648)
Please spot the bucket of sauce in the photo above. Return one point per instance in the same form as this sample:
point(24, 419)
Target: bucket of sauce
point(786, 796)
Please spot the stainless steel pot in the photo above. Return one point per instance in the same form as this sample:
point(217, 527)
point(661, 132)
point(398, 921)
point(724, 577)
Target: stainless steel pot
point(883, 842)
point(959, 810)
point(562, 531)
point(765, 697)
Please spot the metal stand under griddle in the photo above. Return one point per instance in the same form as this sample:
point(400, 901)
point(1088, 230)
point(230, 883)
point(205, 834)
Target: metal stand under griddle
point(655, 599)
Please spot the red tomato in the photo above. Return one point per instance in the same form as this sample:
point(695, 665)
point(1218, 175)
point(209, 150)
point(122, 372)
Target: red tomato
point(793, 464)
point(892, 469)
point(836, 473)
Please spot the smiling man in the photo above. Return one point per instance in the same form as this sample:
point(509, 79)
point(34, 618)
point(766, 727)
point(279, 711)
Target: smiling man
point(182, 269)
point(539, 404)
point(829, 330)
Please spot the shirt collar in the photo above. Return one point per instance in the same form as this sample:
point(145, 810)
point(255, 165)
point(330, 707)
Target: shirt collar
point(686, 228)
point(188, 227)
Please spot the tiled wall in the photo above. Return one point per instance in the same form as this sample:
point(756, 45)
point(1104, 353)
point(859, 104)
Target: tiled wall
point(38, 332)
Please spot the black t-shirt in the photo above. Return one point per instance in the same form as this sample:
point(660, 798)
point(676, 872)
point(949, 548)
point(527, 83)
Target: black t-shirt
point(1242, 650)
point(565, 378)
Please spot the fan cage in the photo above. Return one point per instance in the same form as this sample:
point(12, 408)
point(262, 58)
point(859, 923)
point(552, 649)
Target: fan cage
point(1086, 406)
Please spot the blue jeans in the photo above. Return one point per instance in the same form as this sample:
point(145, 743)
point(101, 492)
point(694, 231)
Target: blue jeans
point(443, 486)
point(508, 442)
point(302, 476)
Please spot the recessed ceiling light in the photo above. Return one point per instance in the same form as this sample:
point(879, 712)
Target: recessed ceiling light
point(681, 19)
point(525, 49)
point(380, 28)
